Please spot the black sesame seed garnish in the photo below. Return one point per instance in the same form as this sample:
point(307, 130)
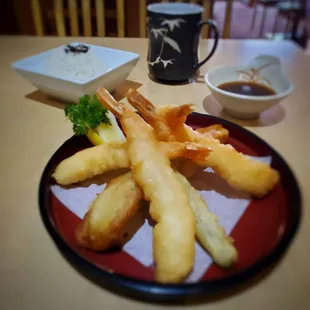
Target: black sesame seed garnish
point(81, 48)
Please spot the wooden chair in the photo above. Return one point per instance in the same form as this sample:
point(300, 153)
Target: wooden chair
point(266, 4)
point(72, 12)
point(227, 23)
point(208, 13)
point(294, 11)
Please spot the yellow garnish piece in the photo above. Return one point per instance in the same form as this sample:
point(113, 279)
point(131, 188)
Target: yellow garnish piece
point(106, 133)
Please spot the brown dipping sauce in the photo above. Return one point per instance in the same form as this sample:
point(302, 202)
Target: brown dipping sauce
point(247, 88)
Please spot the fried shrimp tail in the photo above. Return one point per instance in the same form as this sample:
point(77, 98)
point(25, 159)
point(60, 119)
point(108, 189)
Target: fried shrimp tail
point(175, 113)
point(216, 131)
point(173, 249)
point(148, 111)
point(157, 117)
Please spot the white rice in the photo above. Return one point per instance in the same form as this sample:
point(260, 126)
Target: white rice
point(79, 67)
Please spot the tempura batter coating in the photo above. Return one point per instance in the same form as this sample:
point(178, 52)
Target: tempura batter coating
point(238, 170)
point(179, 113)
point(210, 234)
point(99, 159)
point(173, 249)
point(103, 225)
point(90, 162)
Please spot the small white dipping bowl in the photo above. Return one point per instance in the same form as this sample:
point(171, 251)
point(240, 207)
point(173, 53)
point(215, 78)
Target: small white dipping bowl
point(265, 70)
point(112, 67)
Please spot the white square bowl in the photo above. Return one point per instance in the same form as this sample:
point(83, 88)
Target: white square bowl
point(117, 66)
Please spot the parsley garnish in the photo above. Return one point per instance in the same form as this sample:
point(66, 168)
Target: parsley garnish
point(86, 115)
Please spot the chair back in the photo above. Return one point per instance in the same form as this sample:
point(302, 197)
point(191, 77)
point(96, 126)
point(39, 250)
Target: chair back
point(67, 15)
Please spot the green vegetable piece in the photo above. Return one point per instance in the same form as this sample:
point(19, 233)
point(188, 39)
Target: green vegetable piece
point(87, 114)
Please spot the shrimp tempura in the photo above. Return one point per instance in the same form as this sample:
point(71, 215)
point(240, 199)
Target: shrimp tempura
point(174, 232)
point(238, 170)
point(105, 157)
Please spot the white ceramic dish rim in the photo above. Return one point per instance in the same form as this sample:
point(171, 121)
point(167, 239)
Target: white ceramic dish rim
point(17, 65)
point(247, 97)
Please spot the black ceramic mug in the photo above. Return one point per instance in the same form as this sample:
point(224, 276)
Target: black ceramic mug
point(174, 31)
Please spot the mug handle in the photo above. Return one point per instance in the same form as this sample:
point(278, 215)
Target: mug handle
point(213, 26)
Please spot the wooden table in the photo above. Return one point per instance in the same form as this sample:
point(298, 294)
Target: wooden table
point(33, 273)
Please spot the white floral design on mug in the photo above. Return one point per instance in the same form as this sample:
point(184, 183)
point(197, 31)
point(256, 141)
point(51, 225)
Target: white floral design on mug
point(162, 33)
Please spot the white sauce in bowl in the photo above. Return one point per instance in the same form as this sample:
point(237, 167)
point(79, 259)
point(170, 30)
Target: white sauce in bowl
point(74, 66)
